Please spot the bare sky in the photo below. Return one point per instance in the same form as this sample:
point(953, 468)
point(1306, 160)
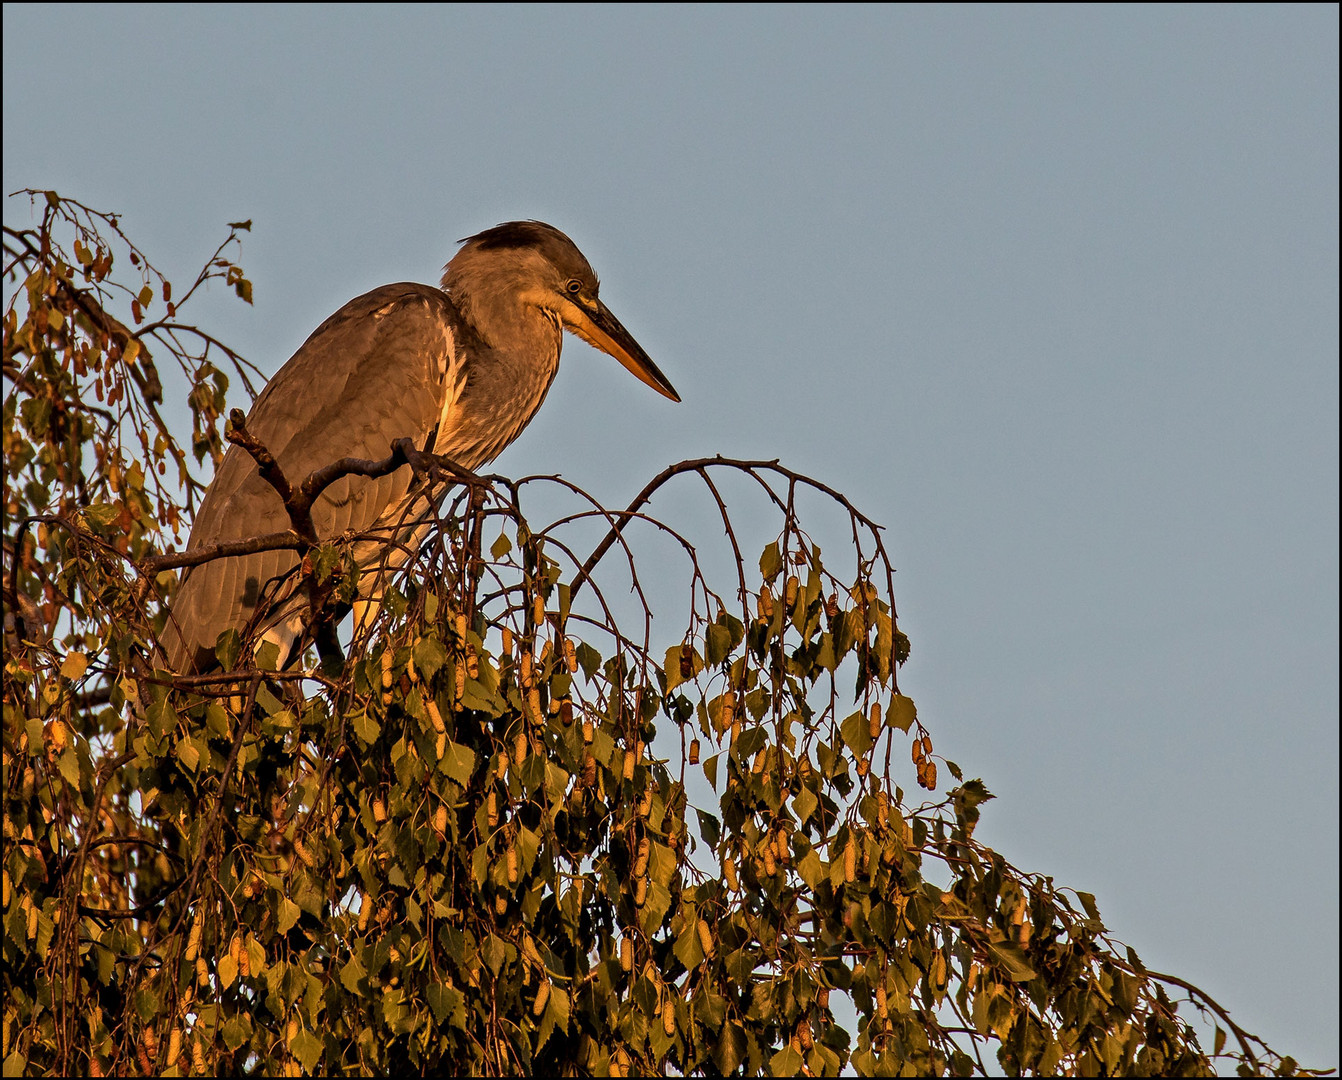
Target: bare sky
point(1051, 292)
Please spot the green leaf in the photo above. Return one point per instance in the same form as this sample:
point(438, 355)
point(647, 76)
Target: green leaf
point(1127, 988)
point(711, 770)
point(429, 655)
point(688, 949)
point(235, 1032)
point(501, 546)
point(448, 1003)
point(825, 657)
point(270, 704)
point(268, 656)
point(288, 915)
point(974, 793)
point(227, 648)
point(771, 562)
point(101, 515)
point(1088, 902)
point(709, 1007)
point(730, 1050)
point(804, 804)
point(901, 713)
point(672, 669)
point(659, 899)
point(709, 829)
point(560, 1008)
point(308, 1049)
point(662, 865)
point(589, 658)
point(458, 762)
point(69, 766)
point(787, 1062)
point(187, 754)
point(718, 644)
point(326, 562)
point(216, 720)
point(1011, 959)
point(857, 733)
point(352, 974)
point(750, 740)
point(161, 717)
point(811, 869)
point(493, 953)
point(528, 843)
point(366, 727)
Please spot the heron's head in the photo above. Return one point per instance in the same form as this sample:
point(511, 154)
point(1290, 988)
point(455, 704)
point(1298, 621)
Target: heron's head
point(535, 265)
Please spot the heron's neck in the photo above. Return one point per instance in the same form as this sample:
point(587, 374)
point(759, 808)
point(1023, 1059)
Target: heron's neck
point(507, 370)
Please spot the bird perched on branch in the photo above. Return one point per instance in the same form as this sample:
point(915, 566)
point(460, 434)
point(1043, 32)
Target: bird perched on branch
point(459, 370)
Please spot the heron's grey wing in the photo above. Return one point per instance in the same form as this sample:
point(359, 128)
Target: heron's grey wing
point(376, 371)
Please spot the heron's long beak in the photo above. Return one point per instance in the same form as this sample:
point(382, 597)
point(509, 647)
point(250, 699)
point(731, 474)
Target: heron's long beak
point(602, 330)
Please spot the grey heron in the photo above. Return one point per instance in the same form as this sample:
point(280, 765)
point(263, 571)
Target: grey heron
point(460, 370)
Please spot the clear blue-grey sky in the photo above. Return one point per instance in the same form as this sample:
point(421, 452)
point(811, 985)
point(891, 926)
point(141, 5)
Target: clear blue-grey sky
point(1051, 292)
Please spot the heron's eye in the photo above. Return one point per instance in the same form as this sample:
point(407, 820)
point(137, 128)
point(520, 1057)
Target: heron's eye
point(574, 287)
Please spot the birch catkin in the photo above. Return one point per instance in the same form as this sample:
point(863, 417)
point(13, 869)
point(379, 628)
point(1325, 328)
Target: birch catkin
point(706, 938)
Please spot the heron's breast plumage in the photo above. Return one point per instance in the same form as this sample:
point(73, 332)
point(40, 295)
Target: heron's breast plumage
point(493, 392)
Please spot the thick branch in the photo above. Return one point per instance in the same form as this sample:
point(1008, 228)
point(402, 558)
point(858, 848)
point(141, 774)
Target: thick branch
point(173, 560)
point(300, 513)
point(298, 502)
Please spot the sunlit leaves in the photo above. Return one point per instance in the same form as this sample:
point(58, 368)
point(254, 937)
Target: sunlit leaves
point(476, 847)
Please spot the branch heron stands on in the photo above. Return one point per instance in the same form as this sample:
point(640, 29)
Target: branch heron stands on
point(460, 370)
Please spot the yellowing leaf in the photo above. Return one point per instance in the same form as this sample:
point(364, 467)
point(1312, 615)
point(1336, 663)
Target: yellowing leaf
point(74, 666)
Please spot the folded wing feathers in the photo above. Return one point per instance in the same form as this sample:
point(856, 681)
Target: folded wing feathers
point(376, 371)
